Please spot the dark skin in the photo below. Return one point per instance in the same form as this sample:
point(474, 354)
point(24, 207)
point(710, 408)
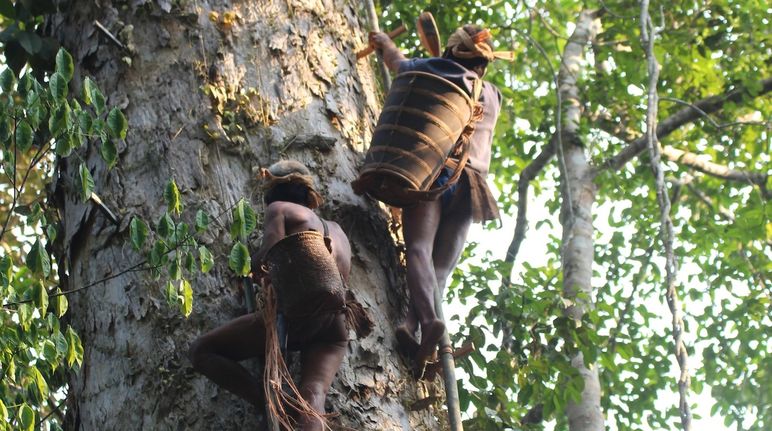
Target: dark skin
point(434, 240)
point(217, 353)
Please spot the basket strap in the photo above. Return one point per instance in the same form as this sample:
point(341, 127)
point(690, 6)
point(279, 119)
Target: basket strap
point(433, 194)
point(327, 237)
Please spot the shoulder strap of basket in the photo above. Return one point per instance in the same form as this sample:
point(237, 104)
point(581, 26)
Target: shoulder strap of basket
point(432, 194)
point(327, 237)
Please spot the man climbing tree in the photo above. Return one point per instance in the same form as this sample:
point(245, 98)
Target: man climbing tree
point(435, 230)
point(307, 261)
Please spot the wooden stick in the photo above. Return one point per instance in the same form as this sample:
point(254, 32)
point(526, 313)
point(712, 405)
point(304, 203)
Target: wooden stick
point(448, 370)
point(392, 34)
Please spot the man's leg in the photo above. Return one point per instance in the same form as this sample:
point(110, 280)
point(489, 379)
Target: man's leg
point(216, 355)
point(419, 225)
point(449, 244)
point(320, 362)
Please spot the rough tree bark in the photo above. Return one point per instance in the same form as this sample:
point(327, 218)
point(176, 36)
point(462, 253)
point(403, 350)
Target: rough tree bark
point(213, 89)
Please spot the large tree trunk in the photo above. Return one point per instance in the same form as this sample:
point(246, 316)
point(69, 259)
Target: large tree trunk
point(578, 194)
point(289, 86)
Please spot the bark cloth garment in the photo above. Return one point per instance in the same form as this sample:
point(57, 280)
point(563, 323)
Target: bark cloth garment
point(310, 291)
point(470, 197)
point(472, 194)
point(308, 288)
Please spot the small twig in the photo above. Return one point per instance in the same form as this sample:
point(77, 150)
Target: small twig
point(110, 35)
point(177, 134)
point(105, 210)
point(53, 410)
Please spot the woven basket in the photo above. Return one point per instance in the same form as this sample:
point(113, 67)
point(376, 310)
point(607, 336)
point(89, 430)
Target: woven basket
point(419, 127)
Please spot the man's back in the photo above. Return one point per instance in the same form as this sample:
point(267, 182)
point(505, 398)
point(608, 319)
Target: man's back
point(286, 218)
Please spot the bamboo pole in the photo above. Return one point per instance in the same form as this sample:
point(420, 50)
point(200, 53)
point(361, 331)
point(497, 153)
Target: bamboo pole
point(372, 17)
point(448, 370)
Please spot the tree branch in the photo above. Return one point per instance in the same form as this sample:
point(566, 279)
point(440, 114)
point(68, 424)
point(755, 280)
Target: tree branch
point(526, 176)
point(713, 169)
point(684, 116)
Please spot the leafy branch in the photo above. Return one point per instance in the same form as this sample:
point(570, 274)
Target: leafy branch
point(682, 117)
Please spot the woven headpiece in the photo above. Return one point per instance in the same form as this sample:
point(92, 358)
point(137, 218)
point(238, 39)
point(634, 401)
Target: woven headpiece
point(291, 171)
point(464, 45)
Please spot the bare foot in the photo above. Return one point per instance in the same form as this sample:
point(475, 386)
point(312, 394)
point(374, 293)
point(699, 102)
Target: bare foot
point(406, 342)
point(430, 337)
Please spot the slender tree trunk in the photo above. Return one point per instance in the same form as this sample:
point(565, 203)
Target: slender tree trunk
point(214, 89)
point(578, 193)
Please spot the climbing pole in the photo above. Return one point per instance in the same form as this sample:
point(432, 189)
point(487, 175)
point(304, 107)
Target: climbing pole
point(448, 370)
point(372, 17)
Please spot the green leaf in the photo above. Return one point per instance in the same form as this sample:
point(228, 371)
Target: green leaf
point(117, 124)
point(64, 65)
point(60, 303)
point(165, 226)
point(158, 253)
point(40, 383)
point(40, 296)
point(26, 417)
point(51, 232)
point(58, 85)
point(6, 129)
point(109, 153)
point(190, 262)
point(23, 136)
point(88, 89)
point(38, 260)
point(36, 113)
point(30, 41)
point(25, 86)
point(86, 182)
point(239, 260)
point(60, 121)
point(171, 293)
point(137, 232)
point(206, 259)
point(202, 221)
point(186, 305)
point(64, 146)
point(85, 122)
point(244, 220)
point(175, 270)
point(7, 80)
point(6, 274)
point(74, 348)
point(172, 197)
point(7, 10)
point(49, 351)
point(92, 96)
point(3, 413)
point(99, 101)
point(61, 343)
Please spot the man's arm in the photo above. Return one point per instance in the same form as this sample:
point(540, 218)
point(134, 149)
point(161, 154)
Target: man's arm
point(392, 56)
